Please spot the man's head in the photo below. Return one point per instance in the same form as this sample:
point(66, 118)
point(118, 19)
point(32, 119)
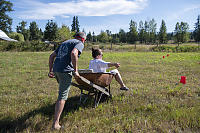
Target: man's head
point(97, 53)
point(80, 36)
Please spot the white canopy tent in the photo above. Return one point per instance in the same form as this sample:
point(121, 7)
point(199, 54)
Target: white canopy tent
point(3, 36)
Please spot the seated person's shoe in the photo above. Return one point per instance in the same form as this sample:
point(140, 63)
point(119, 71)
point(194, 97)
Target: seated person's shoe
point(124, 88)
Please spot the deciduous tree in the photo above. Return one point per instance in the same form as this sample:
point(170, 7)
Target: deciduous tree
point(181, 32)
point(103, 37)
point(5, 20)
point(21, 28)
point(16, 36)
point(63, 33)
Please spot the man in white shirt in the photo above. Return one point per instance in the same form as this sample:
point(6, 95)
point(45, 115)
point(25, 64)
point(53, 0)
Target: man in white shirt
point(98, 65)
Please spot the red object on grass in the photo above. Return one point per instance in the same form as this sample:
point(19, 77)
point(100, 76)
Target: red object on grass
point(167, 55)
point(163, 57)
point(183, 80)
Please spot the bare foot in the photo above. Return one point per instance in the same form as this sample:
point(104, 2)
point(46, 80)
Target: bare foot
point(56, 127)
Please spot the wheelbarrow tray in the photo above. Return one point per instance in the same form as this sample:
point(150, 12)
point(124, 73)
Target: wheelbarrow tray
point(100, 79)
point(94, 83)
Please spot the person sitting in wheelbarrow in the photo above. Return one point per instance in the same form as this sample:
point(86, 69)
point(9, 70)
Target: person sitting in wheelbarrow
point(99, 65)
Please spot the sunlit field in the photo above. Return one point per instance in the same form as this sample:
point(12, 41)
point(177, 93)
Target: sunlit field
point(156, 101)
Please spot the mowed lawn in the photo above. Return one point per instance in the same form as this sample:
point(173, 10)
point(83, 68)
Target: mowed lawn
point(156, 101)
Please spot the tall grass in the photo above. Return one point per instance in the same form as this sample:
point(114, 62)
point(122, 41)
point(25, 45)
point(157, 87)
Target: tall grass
point(156, 102)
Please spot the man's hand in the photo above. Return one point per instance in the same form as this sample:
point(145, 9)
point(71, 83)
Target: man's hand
point(51, 75)
point(76, 75)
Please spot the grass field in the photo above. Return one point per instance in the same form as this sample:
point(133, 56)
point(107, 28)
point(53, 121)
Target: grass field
point(156, 101)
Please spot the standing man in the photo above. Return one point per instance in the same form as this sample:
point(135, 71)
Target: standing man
point(66, 62)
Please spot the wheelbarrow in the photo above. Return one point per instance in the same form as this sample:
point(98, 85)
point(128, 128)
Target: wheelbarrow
point(94, 84)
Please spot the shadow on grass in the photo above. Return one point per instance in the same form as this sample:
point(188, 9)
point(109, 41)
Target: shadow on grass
point(9, 124)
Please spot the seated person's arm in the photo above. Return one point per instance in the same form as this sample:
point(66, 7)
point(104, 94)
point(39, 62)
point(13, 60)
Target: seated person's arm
point(114, 64)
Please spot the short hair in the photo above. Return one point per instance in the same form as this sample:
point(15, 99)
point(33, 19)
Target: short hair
point(96, 52)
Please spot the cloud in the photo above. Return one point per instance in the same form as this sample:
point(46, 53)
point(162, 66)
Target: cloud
point(191, 8)
point(38, 10)
point(183, 12)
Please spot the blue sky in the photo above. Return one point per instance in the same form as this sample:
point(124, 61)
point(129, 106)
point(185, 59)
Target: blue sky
point(97, 15)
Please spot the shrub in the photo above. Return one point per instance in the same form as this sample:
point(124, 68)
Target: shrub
point(16, 36)
point(7, 46)
point(175, 49)
point(24, 46)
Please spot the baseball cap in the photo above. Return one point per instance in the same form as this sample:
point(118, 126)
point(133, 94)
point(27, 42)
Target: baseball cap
point(80, 34)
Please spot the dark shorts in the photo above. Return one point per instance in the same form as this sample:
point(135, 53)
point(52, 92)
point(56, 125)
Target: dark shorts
point(64, 80)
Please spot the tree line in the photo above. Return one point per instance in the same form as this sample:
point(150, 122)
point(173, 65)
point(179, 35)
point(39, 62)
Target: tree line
point(143, 32)
point(146, 33)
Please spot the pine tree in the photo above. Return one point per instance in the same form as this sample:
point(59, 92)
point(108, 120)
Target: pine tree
point(197, 30)
point(84, 31)
point(5, 20)
point(152, 31)
point(89, 36)
point(51, 30)
point(146, 32)
point(163, 33)
point(73, 24)
point(94, 38)
point(77, 25)
point(141, 32)
point(133, 34)
point(122, 36)
point(34, 31)
point(41, 34)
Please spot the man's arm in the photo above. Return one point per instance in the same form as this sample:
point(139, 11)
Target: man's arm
point(51, 60)
point(74, 58)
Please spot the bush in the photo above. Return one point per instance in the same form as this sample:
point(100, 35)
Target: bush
point(24, 46)
point(7, 46)
point(17, 36)
point(175, 49)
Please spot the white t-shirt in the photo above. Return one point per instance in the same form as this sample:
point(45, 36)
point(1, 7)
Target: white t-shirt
point(98, 65)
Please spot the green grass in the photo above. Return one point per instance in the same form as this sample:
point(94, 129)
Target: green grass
point(156, 101)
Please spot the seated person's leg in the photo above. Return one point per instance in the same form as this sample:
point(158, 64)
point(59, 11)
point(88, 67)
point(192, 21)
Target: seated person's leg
point(119, 79)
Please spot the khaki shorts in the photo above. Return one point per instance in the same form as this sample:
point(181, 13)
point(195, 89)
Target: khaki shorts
point(64, 80)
